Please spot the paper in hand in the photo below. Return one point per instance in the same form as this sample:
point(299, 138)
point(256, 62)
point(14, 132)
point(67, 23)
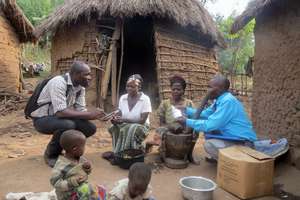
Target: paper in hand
point(176, 112)
point(109, 116)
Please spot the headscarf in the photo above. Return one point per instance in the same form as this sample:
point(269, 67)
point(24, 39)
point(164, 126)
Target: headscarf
point(136, 79)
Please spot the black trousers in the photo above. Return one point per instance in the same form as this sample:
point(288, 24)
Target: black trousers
point(56, 126)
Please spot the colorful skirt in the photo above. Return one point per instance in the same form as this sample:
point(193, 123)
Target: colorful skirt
point(128, 136)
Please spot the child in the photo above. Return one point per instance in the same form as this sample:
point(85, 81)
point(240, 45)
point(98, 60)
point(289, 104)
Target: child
point(70, 173)
point(135, 187)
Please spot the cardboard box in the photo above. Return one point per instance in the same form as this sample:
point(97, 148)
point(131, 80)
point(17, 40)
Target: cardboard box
point(245, 172)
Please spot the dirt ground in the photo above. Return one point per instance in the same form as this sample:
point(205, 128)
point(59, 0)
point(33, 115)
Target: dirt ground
point(22, 166)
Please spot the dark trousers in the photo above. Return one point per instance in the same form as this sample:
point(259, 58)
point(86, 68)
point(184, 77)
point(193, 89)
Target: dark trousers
point(56, 126)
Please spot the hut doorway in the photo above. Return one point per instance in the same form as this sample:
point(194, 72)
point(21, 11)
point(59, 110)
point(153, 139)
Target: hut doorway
point(139, 55)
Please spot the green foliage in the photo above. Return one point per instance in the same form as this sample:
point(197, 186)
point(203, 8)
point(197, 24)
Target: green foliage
point(36, 10)
point(34, 54)
point(240, 45)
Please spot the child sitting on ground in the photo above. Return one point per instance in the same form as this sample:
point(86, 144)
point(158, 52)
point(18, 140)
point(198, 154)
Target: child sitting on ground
point(70, 173)
point(135, 187)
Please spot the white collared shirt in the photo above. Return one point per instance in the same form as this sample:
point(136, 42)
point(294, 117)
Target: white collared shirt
point(55, 92)
point(143, 105)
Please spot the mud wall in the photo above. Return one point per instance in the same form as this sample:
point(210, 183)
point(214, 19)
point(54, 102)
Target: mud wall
point(276, 89)
point(67, 41)
point(75, 43)
point(9, 56)
point(178, 54)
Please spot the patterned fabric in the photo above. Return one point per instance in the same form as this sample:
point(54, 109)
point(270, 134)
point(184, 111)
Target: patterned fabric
point(85, 191)
point(165, 109)
point(55, 92)
point(120, 192)
point(64, 180)
point(128, 136)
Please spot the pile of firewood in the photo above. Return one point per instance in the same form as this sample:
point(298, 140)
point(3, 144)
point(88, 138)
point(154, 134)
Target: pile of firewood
point(10, 101)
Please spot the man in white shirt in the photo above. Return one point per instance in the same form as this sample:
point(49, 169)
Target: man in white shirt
point(64, 108)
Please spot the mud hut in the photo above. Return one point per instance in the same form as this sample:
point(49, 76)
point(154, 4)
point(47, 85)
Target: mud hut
point(276, 89)
point(118, 38)
point(14, 30)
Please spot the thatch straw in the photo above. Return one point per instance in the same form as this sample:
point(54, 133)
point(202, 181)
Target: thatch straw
point(254, 9)
point(184, 12)
point(19, 21)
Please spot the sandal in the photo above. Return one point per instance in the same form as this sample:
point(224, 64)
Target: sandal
point(113, 161)
point(109, 155)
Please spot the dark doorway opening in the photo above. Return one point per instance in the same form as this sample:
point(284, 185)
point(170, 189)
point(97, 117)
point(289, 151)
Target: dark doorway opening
point(139, 55)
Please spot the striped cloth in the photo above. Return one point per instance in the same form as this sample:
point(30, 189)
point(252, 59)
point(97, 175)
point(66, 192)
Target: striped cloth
point(55, 92)
point(128, 136)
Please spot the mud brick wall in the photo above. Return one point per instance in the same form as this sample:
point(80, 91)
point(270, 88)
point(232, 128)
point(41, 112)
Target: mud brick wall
point(67, 41)
point(9, 56)
point(276, 96)
point(73, 43)
point(176, 54)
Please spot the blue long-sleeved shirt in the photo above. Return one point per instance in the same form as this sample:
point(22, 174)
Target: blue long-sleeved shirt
point(226, 115)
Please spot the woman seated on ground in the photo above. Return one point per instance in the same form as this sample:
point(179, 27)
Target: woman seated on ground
point(131, 124)
point(171, 109)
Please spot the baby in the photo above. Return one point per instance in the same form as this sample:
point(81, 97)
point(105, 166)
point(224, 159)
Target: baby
point(135, 187)
point(70, 173)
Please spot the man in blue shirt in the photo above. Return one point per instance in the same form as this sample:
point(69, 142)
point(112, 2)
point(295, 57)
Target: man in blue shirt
point(225, 122)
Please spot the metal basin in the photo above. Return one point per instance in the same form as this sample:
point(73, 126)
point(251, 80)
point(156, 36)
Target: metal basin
point(197, 188)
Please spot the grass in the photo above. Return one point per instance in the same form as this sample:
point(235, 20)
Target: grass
point(35, 54)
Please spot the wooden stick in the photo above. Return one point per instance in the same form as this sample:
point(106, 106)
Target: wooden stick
point(242, 84)
point(189, 56)
point(116, 37)
point(105, 80)
point(181, 49)
point(102, 62)
point(188, 89)
point(121, 59)
point(186, 70)
point(187, 62)
point(195, 84)
point(109, 62)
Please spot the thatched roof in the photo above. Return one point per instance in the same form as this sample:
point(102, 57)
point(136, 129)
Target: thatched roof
point(254, 9)
point(18, 20)
point(183, 12)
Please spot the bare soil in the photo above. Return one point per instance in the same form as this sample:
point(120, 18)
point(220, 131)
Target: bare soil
point(22, 167)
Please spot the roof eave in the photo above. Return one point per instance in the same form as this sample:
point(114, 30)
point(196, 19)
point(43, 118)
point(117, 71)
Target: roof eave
point(19, 21)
